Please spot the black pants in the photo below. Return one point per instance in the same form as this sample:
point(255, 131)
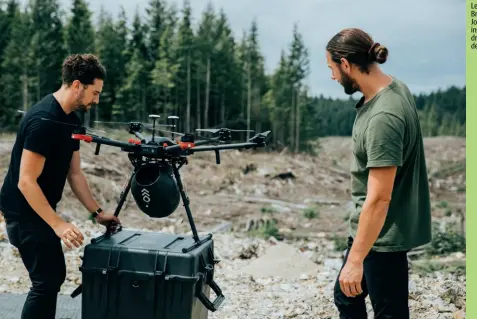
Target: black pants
point(385, 281)
point(42, 255)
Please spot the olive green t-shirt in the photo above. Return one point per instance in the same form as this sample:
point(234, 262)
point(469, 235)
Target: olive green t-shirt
point(387, 132)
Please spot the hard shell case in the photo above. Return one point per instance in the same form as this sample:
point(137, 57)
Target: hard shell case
point(147, 275)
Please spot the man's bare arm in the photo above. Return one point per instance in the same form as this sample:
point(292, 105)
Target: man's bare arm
point(31, 167)
point(373, 215)
point(79, 184)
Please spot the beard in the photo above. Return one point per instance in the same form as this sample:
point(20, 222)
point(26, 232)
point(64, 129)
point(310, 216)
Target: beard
point(349, 85)
point(82, 107)
point(80, 104)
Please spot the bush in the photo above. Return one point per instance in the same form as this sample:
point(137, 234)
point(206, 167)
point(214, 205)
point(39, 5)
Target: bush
point(446, 241)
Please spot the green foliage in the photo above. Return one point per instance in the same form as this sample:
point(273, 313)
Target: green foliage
point(311, 213)
point(446, 241)
point(204, 74)
point(425, 267)
point(268, 210)
point(267, 230)
point(340, 242)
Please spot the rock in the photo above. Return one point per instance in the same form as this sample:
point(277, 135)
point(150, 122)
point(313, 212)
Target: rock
point(333, 264)
point(304, 277)
point(311, 246)
point(308, 254)
point(283, 261)
point(453, 294)
point(14, 279)
point(460, 255)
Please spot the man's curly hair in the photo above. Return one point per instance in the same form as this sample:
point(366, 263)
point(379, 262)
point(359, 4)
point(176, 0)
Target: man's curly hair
point(82, 67)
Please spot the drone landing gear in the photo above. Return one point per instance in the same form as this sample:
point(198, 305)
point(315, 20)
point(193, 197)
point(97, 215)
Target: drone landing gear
point(185, 199)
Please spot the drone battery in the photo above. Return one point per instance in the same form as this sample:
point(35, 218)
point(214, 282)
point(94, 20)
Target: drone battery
point(147, 275)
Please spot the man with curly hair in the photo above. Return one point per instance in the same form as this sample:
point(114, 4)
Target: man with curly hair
point(44, 156)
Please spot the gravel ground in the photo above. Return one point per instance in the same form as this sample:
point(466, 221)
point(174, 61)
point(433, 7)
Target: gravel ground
point(435, 295)
point(218, 194)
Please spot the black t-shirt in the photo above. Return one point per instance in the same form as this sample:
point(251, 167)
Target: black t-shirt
point(50, 139)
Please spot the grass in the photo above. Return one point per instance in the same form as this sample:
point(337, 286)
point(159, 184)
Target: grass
point(267, 230)
point(311, 213)
point(423, 267)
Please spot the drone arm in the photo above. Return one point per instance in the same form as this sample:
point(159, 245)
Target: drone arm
point(140, 136)
point(103, 140)
point(207, 141)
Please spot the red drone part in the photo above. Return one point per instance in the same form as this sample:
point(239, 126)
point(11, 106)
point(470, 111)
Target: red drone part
point(82, 137)
point(134, 141)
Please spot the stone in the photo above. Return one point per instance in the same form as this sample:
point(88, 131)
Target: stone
point(281, 260)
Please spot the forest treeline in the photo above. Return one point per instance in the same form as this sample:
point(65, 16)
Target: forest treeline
point(161, 63)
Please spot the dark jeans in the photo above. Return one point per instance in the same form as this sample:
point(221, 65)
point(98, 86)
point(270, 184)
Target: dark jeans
point(385, 280)
point(42, 255)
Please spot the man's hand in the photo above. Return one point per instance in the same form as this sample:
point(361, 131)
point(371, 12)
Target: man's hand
point(107, 219)
point(69, 234)
point(350, 279)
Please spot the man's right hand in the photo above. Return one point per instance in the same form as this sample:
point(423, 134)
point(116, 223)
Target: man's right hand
point(69, 234)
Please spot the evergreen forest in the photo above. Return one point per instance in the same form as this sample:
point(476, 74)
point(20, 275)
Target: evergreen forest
point(161, 63)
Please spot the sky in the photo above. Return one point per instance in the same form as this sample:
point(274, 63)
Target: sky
point(425, 38)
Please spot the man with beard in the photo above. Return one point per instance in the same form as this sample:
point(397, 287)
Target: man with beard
point(44, 156)
point(389, 184)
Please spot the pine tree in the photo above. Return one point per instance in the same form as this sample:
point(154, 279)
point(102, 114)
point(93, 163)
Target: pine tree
point(15, 66)
point(47, 49)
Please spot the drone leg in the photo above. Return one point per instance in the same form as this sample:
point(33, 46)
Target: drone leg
point(124, 194)
point(186, 201)
point(122, 199)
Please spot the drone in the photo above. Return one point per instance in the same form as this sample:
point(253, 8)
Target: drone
point(155, 182)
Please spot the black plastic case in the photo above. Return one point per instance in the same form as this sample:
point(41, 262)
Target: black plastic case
point(147, 275)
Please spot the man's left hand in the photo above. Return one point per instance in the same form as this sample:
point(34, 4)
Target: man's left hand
point(350, 279)
point(107, 219)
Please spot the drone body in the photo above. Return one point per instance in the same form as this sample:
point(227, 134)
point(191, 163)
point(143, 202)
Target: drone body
point(155, 181)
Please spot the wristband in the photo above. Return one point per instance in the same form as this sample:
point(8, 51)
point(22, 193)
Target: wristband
point(94, 214)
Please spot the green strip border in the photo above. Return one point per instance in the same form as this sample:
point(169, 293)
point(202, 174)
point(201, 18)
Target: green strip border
point(471, 99)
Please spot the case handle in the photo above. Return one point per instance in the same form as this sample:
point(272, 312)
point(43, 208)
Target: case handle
point(212, 306)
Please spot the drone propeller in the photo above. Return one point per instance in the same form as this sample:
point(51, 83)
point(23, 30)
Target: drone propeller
point(195, 136)
point(87, 129)
point(171, 132)
point(210, 130)
point(129, 123)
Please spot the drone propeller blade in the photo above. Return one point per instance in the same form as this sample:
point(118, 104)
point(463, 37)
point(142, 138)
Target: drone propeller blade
point(74, 125)
point(182, 134)
point(165, 131)
point(221, 129)
point(207, 130)
point(105, 122)
point(241, 130)
point(95, 130)
point(151, 127)
point(128, 123)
